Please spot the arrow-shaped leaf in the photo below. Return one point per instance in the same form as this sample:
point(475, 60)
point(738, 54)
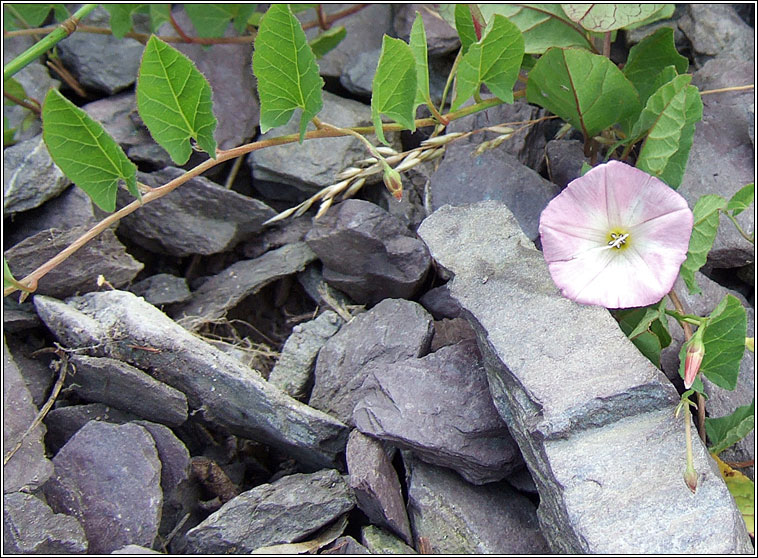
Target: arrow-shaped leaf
point(286, 69)
point(705, 225)
point(85, 152)
point(649, 57)
point(740, 201)
point(394, 86)
point(727, 431)
point(418, 47)
point(174, 101)
point(724, 341)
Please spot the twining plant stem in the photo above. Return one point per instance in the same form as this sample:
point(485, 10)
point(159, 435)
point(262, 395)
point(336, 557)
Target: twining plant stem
point(38, 49)
point(739, 229)
point(31, 280)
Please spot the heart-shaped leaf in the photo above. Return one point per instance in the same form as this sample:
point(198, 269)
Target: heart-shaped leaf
point(600, 18)
point(727, 431)
point(418, 47)
point(649, 57)
point(394, 86)
point(705, 225)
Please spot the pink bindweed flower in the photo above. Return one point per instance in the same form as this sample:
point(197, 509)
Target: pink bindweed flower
point(615, 237)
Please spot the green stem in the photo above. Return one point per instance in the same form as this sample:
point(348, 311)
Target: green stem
point(36, 50)
point(739, 229)
point(450, 77)
point(686, 318)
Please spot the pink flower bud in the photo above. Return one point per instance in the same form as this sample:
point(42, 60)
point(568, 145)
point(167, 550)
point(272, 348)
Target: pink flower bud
point(695, 354)
point(690, 478)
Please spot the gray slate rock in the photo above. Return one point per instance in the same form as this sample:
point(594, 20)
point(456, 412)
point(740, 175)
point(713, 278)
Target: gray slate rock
point(459, 518)
point(162, 288)
point(31, 527)
point(36, 81)
point(63, 422)
point(229, 393)
point(714, 29)
point(28, 469)
point(591, 433)
point(496, 174)
point(368, 253)
point(222, 292)
point(439, 303)
point(376, 486)
point(101, 62)
point(295, 171)
point(200, 217)
point(115, 383)
point(392, 331)
point(35, 372)
point(564, 159)
point(18, 317)
point(285, 511)
point(345, 545)
point(358, 77)
point(103, 255)
point(30, 177)
point(312, 281)
point(441, 37)
point(722, 158)
point(378, 541)
point(293, 372)
point(440, 407)
point(135, 549)
point(450, 332)
point(108, 477)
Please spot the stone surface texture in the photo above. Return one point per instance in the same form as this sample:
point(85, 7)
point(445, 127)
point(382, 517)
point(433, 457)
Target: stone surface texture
point(591, 431)
point(31, 527)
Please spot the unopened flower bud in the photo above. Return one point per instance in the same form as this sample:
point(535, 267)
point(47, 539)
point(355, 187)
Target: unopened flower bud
point(690, 478)
point(394, 183)
point(693, 360)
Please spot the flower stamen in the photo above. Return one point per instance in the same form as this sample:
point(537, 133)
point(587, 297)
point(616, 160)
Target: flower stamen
point(618, 240)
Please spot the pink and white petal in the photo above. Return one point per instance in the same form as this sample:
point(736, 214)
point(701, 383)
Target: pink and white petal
point(566, 241)
point(672, 229)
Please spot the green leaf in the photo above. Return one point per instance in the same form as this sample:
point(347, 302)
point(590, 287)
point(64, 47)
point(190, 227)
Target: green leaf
point(9, 134)
point(465, 27)
point(13, 87)
point(607, 17)
point(742, 490)
point(26, 15)
point(418, 48)
point(8, 279)
point(585, 89)
point(297, 8)
point(211, 20)
point(121, 17)
point(724, 340)
point(705, 225)
point(286, 69)
point(159, 14)
point(727, 431)
point(543, 25)
point(394, 86)
point(174, 101)
point(85, 152)
point(646, 328)
point(741, 200)
point(327, 40)
point(665, 13)
point(651, 56)
point(495, 61)
point(669, 116)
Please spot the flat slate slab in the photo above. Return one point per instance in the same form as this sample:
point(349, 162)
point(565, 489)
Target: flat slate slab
point(592, 416)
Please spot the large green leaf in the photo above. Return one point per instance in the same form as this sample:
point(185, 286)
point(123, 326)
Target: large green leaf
point(740, 201)
point(585, 89)
point(121, 17)
point(727, 431)
point(705, 225)
point(647, 329)
point(85, 152)
point(495, 60)
point(286, 69)
point(211, 20)
point(418, 47)
point(21, 15)
point(394, 87)
point(174, 101)
point(600, 18)
point(651, 56)
point(327, 40)
point(724, 341)
point(669, 116)
point(465, 27)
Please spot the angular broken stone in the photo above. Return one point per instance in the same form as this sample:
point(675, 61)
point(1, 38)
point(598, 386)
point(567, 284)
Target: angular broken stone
point(199, 217)
point(440, 407)
point(103, 255)
point(114, 323)
point(368, 253)
point(28, 468)
point(293, 372)
point(378, 541)
point(109, 381)
point(162, 288)
point(376, 486)
point(108, 477)
point(285, 511)
point(64, 422)
point(591, 415)
point(458, 518)
point(393, 330)
point(222, 292)
point(31, 527)
point(345, 545)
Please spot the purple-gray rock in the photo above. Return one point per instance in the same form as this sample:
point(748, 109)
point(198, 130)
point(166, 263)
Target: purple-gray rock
point(378, 541)
point(115, 383)
point(30, 177)
point(591, 414)
point(450, 332)
point(64, 422)
point(35, 372)
point(135, 549)
point(440, 407)
point(293, 372)
point(458, 518)
point(368, 253)
point(28, 468)
point(358, 76)
point(199, 217)
point(222, 292)
point(285, 511)
point(564, 159)
point(31, 527)
point(101, 62)
point(223, 390)
point(108, 477)
point(439, 303)
point(714, 29)
point(103, 255)
point(162, 288)
point(441, 37)
point(17, 316)
point(376, 486)
point(392, 331)
point(345, 545)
